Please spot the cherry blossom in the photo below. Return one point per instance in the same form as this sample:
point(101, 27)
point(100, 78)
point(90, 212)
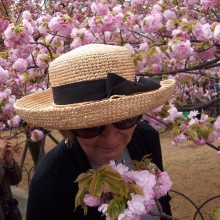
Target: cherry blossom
point(37, 135)
point(217, 32)
point(14, 122)
point(4, 75)
point(92, 201)
point(150, 180)
point(20, 65)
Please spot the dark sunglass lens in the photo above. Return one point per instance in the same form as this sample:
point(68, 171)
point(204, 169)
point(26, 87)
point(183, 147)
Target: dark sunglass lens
point(88, 132)
point(127, 123)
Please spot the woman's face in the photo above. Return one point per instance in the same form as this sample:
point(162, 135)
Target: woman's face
point(109, 145)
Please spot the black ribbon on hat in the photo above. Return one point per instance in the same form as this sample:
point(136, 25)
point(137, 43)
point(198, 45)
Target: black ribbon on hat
point(104, 88)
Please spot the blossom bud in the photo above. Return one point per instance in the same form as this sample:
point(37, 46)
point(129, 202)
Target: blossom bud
point(37, 135)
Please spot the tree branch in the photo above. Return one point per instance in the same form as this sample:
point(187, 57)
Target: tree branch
point(5, 9)
point(51, 56)
point(203, 65)
point(203, 106)
point(161, 213)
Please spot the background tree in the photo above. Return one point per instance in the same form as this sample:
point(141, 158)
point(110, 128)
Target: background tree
point(167, 38)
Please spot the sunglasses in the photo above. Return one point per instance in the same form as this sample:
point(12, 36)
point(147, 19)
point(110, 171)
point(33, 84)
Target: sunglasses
point(95, 131)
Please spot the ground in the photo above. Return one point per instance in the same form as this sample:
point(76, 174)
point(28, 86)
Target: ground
point(194, 172)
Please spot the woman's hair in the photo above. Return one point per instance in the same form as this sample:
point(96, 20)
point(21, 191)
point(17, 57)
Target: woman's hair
point(69, 137)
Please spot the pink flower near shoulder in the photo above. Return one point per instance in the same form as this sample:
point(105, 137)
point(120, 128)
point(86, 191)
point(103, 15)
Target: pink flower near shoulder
point(128, 215)
point(143, 178)
point(163, 184)
point(136, 205)
point(121, 168)
point(92, 201)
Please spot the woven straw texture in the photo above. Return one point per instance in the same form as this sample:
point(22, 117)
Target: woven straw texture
point(90, 62)
point(38, 109)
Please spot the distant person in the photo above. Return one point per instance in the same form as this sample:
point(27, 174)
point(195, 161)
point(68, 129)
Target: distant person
point(98, 106)
point(10, 174)
point(214, 88)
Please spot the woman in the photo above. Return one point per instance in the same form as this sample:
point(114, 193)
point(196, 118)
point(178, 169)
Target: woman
point(97, 106)
point(10, 174)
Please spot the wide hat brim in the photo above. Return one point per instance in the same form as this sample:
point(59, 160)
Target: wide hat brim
point(39, 110)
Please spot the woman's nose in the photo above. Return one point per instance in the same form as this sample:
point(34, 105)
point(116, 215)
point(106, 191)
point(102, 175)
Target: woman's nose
point(109, 133)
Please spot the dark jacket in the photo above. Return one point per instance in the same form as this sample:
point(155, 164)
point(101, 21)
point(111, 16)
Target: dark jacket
point(8, 177)
point(52, 191)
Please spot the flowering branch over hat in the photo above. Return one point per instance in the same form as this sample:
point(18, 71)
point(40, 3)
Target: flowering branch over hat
point(120, 193)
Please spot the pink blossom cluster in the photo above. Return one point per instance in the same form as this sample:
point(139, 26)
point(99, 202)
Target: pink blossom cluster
point(81, 37)
point(61, 24)
point(14, 121)
point(7, 101)
point(199, 130)
point(16, 35)
point(153, 184)
point(4, 75)
point(208, 4)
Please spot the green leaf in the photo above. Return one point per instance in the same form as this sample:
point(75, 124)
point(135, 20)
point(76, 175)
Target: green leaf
point(148, 69)
point(84, 176)
point(81, 193)
point(203, 45)
point(194, 126)
point(151, 52)
point(96, 185)
point(4, 54)
point(115, 207)
point(107, 171)
point(164, 48)
point(166, 107)
point(79, 200)
point(133, 188)
point(204, 132)
point(84, 180)
point(144, 164)
point(124, 191)
point(216, 213)
point(112, 185)
point(186, 27)
point(193, 135)
point(111, 179)
point(175, 130)
point(136, 58)
point(210, 119)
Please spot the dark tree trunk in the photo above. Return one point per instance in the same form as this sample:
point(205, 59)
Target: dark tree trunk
point(36, 149)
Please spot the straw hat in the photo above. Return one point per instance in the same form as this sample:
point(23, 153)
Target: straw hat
point(78, 78)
